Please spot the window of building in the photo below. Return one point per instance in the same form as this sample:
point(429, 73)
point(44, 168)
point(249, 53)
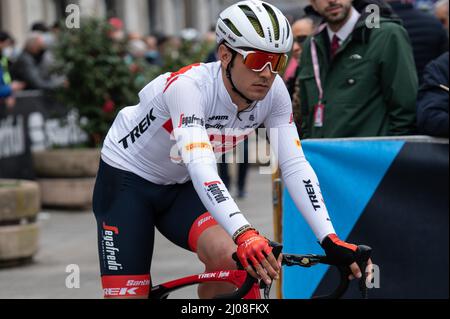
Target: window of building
point(153, 15)
point(111, 8)
point(1, 16)
point(60, 6)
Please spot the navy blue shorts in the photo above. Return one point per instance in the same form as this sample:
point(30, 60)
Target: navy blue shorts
point(127, 209)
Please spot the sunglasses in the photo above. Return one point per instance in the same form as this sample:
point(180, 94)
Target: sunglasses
point(300, 39)
point(258, 60)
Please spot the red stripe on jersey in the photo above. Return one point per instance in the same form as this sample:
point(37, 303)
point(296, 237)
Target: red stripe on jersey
point(168, 126)
point(174, 76)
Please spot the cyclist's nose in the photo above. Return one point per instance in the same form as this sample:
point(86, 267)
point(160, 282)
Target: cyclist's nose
point(266, 72)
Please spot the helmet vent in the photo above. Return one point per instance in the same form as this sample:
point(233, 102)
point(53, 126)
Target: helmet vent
point(232, 27)
point(273, 18)
point(253, 19)
point(287, 28)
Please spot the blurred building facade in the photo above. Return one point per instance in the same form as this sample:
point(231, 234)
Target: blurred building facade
point(143, 16)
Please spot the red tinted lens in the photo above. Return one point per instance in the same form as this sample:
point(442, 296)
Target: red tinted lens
point(258, 60)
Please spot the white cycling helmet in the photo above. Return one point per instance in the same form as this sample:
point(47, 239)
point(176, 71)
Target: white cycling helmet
point(255, 24)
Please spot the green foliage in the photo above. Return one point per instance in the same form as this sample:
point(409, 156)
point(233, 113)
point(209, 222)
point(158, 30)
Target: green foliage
point(97, 74)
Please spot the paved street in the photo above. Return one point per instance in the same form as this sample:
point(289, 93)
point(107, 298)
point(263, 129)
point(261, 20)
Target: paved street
point(70, 238)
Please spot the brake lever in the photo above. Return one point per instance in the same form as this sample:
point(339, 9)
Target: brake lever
point(266, 288)
point(276, 250)
point(362, 260)
point(363, 255)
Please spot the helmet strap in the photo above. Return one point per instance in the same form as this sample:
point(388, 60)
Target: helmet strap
point(228, 74)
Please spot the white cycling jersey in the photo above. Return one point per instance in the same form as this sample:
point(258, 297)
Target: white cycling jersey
point(184, 118)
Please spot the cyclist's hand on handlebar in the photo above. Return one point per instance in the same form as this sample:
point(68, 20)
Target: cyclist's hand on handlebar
point(341, 253)
point(356, 271)
point(254, 250)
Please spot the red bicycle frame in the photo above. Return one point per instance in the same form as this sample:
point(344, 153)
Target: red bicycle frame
point(235, 277)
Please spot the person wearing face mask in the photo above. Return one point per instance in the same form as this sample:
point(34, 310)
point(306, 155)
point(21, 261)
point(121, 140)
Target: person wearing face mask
point(10, 52)
point(7, 86)
point(27, 68)
point(152, 55)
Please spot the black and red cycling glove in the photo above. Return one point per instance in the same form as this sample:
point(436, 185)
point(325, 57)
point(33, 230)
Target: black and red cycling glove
point(338, 251)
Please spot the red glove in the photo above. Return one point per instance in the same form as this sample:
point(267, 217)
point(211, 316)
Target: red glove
point(252, 246)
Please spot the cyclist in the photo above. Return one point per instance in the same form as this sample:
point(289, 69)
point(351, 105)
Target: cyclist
point(158, 163)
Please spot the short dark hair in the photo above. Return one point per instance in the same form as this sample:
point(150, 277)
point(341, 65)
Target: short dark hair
point(5, 36)
point(40, 27)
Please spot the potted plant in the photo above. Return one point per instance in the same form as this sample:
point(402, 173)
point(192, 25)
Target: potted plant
point(99, 83)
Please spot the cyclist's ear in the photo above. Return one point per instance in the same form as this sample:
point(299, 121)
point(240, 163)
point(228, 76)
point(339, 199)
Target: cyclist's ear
point(224, 54)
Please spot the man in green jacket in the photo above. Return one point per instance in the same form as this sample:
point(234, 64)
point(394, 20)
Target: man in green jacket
point(356, 77)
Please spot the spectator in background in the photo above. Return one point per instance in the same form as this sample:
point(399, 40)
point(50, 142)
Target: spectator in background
point(428, 37)
point(39, 27)
point(56, 28)
point(152, 55)
point(137, 49)
point(10, 52)
point(301, 29)
point(212, 55)
point(432, 101)
point(365, 82)
point(47, 62)
point(135, 57)
point(7, 86)
point(28, 66)
point(441, 12)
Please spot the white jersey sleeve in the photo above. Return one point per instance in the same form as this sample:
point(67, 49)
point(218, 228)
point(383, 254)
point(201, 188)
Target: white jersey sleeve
point(298, 175)
point(187, 111)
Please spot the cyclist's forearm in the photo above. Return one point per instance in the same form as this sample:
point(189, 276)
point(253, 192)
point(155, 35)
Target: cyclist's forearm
point(216, 198)
point(303, 186)
point(302, 182)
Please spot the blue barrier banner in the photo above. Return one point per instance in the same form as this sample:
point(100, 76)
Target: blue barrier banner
point(389, 194)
